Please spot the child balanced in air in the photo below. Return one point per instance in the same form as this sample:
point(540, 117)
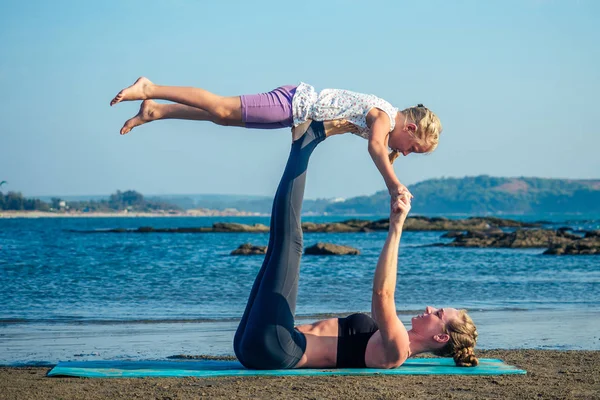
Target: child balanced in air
point(412, 130)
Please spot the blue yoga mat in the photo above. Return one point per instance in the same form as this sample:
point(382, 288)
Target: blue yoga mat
point(209, 369)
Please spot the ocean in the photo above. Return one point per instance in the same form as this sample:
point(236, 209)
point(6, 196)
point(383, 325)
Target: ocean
point(67, 295)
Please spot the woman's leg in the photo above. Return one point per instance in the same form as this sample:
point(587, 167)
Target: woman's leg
point(152, 111)
point(266, 338)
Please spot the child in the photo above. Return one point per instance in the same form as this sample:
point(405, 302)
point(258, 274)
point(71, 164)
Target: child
point(413, 130)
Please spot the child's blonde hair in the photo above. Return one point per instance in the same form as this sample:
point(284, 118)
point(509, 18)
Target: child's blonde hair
point(428, 130)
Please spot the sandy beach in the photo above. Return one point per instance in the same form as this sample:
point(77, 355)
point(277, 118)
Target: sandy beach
point(551, 374)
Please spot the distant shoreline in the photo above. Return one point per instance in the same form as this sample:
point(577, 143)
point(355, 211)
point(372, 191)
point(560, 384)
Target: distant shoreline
point(121, 214)
point(235, 213)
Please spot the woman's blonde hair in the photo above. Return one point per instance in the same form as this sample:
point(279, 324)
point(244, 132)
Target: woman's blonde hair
point(428, 130)
point(463, 337)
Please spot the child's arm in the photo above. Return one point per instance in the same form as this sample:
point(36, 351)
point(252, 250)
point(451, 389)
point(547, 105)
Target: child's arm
point(379, 123)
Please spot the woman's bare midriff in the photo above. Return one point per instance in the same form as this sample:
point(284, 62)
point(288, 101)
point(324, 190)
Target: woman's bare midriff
point(321, 344)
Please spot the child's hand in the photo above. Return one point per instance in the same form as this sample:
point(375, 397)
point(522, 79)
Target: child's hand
point(397, 199)
point(398, 190)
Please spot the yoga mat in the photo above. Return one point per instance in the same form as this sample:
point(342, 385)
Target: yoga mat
point(211, 368)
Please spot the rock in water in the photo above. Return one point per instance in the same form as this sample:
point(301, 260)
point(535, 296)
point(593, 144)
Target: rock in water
point(326, 249)
point(590, 245)
point(248, 249)
point(235, 227)
point(521, 238)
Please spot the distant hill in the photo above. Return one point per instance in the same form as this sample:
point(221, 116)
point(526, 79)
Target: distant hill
point(486, 194)
point(477, 195)
point(470, 195)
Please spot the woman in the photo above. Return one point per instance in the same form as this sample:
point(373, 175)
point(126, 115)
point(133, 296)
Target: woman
point(266, 337)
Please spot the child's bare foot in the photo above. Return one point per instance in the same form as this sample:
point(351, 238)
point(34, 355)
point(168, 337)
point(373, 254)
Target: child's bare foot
point(148, 112)
point(137, 91)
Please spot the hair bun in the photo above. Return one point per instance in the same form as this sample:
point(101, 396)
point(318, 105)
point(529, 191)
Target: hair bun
point(420, 105)
point(465, 357)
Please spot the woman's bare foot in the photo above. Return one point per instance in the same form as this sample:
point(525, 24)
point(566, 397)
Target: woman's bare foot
point(137, 91)
point(338, 127)
point(148, 112)
point(333, 127)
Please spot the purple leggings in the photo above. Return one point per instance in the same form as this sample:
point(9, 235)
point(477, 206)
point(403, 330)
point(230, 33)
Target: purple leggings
point(272, 110)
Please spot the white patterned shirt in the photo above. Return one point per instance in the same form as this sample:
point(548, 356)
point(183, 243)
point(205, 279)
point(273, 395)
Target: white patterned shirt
point(332, 104)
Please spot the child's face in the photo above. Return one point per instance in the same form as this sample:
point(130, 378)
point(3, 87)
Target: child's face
point(402, 141)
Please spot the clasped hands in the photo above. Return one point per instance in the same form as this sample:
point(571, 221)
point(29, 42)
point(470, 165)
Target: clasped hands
point(400, 200)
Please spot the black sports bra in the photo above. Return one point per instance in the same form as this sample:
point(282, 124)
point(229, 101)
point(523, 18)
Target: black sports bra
point(354, 333)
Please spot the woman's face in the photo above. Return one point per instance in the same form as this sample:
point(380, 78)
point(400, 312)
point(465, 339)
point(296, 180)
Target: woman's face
point(432, 321)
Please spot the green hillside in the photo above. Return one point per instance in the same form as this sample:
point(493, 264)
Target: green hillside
point(470, 195)
point(486, 194)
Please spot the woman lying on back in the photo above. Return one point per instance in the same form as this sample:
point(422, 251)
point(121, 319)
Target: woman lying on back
point(267, 338)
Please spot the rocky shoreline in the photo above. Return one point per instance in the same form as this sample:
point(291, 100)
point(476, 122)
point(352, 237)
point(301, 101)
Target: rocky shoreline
point(474, 232)
point(557, 242)
point(352, 225)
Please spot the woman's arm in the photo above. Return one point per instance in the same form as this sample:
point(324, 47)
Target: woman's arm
point(383, 306)
point(384, 281)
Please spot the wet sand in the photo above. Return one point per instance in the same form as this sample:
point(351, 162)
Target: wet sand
point(551, 374)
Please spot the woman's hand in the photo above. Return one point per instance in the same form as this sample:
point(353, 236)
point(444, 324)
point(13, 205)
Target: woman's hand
point(396, 192)
point(399, 208)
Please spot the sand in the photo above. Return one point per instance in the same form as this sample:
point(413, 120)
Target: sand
point(551, 375)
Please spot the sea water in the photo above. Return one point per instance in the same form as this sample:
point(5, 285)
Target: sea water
point(65, 294)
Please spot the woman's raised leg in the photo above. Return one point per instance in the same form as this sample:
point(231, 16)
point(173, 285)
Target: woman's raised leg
point(266, 337)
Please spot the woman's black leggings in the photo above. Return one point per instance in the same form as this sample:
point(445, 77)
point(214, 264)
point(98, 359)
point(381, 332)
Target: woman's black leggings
point(266, 337)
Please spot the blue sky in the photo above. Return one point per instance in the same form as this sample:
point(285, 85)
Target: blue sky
point(515, 84)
